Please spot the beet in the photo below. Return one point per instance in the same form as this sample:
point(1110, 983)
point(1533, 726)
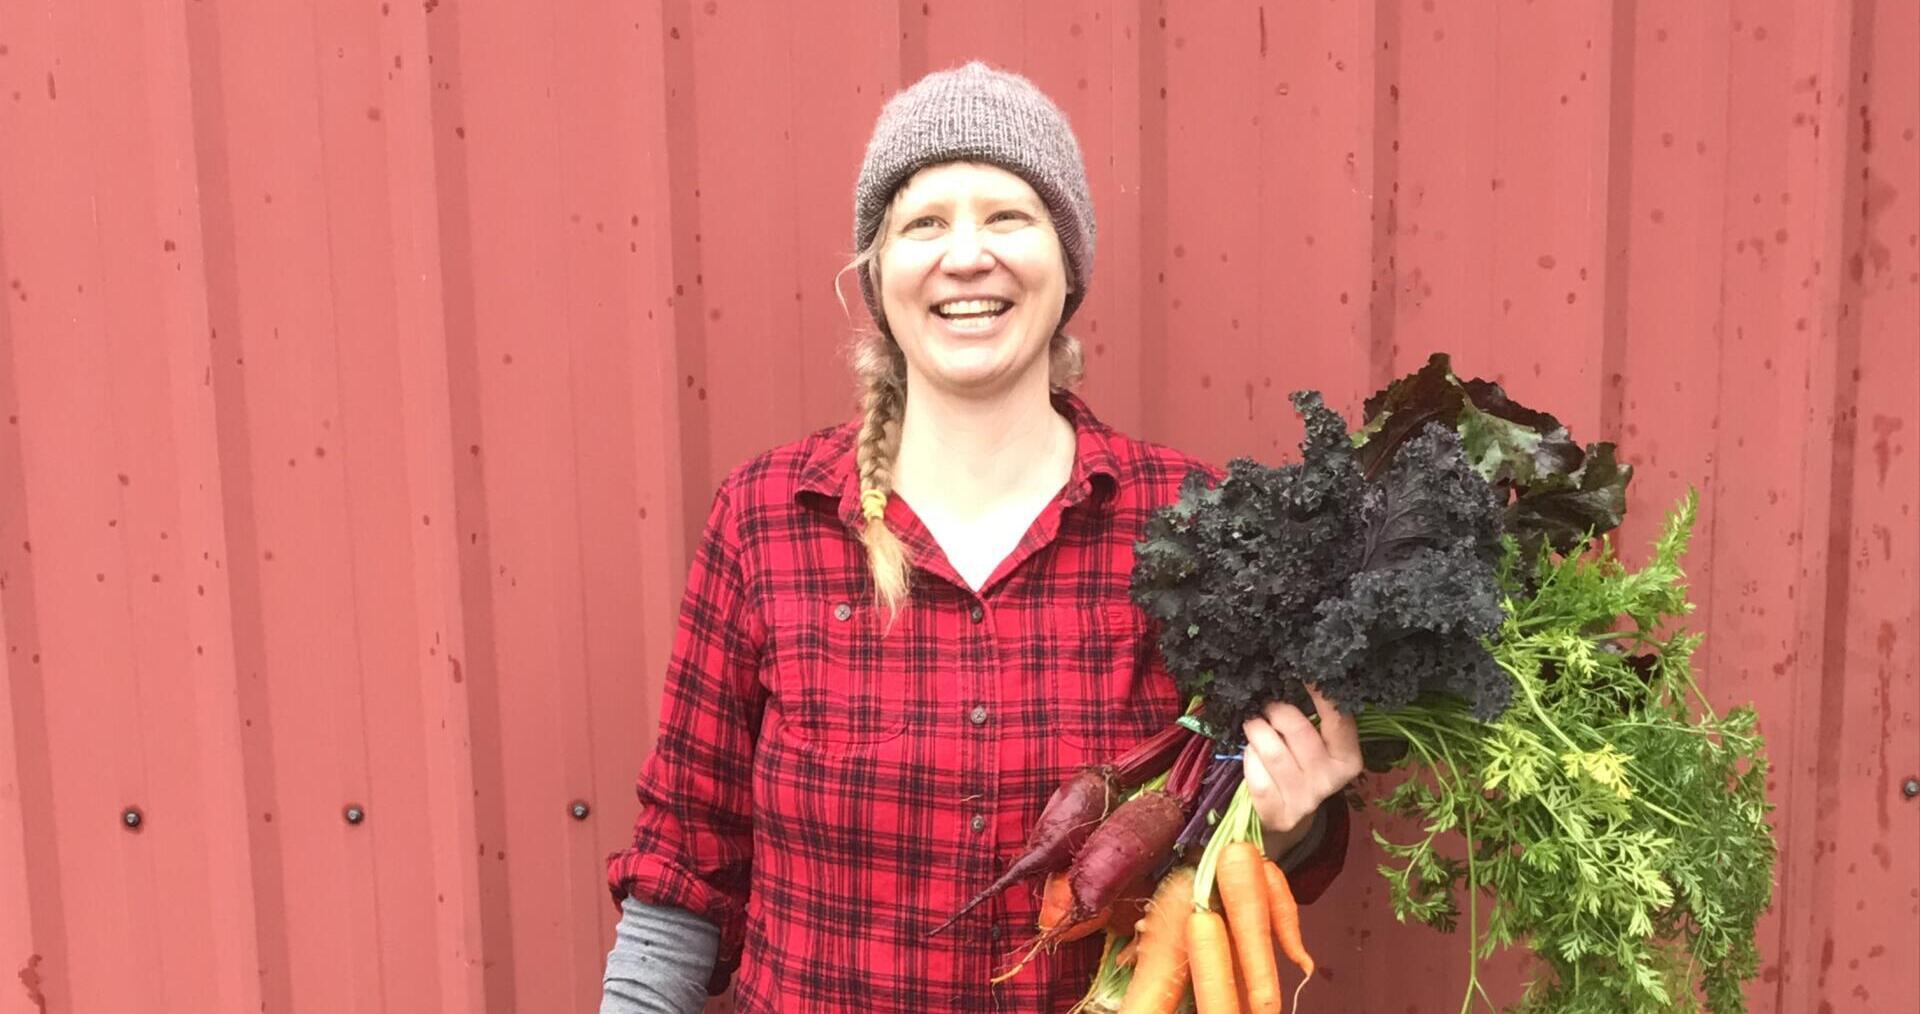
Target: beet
point(1133, 843)
point(1127, 846)
point(1075, 809)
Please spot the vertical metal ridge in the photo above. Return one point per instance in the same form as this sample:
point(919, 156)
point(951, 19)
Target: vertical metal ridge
point(1384, 287)
point(1154, 340)
point(1832, 443)
point(1621, 82)
point(689, 300)
point(913, 40)
point(433, 242)
point(234, 901)
point(485, 964)
point(234, 570)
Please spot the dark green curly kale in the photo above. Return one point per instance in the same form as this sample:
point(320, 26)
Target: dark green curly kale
point(1425, 592)
point(1375, 590)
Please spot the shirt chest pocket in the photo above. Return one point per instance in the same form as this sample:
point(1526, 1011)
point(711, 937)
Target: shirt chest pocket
point(1106, 693)
point(840, 672)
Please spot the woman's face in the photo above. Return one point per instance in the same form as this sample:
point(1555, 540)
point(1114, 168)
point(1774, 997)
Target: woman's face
point(972, 278)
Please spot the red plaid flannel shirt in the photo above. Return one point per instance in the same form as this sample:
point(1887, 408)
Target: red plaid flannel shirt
point(826, 788)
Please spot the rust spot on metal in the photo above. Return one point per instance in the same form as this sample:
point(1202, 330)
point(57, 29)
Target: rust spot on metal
point(1884, 427)
point(31, 982)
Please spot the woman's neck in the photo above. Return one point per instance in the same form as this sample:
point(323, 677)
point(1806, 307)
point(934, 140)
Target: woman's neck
point(968, 456)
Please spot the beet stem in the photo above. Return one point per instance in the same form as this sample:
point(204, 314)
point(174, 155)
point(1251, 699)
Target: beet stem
point(1184, 781)
point(1221, 782)
point(1150, 756)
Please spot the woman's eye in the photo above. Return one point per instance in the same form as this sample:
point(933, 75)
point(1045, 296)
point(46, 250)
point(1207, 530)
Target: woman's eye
point(1007, 216)
point(923, 220)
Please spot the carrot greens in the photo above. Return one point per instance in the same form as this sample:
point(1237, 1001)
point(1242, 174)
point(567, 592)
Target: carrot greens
point(1610, 819)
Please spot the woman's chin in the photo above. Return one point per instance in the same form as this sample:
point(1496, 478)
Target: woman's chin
point(972, 371)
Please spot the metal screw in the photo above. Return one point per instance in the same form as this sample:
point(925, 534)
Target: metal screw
point(580, 809)
point(132, 818)
point(355, 814)
point(1911, 788)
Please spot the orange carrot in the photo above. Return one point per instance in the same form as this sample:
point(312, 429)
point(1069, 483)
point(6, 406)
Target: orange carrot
point(1242, 883)
point(1130, 906)
point(1210, 954)
point(1055, 898)
point(1056, 903)
point(1286, 925)
point(1286, 919)
point(1160, 965)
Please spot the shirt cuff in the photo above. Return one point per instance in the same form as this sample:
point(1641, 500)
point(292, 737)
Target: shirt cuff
point(646, 878)
point(1313, 864)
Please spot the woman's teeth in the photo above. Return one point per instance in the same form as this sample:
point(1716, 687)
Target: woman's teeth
point(971, 314)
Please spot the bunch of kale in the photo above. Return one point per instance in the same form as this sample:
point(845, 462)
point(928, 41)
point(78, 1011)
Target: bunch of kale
point(1371, 567)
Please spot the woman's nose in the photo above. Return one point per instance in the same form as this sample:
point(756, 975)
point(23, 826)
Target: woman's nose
point(965, 253)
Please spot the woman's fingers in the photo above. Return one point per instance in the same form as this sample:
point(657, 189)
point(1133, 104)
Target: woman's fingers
point(1276, 780)
point(1270, 799)
point(1292, 764)
point(1303, 740)
point(1339, 734)
point(1265, 742)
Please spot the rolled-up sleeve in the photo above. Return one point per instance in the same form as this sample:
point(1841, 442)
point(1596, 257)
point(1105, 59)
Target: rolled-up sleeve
point(693, 839)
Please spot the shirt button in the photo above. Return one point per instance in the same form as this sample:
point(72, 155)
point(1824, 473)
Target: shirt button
point(993, 931)
point(842, 611)
point(979, 823)
point(978, 715)
point(976, 614)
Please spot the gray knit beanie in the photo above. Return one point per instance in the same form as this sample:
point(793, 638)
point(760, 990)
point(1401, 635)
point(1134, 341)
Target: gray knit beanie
point(978, 114)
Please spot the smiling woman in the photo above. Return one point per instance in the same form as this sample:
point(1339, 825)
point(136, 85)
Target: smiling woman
point(900, 634)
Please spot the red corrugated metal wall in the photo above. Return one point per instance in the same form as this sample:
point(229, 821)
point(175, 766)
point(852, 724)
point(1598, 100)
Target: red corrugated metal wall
point(364, 365)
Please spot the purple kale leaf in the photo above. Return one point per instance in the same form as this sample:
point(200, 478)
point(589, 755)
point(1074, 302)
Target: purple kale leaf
point(1555, 493)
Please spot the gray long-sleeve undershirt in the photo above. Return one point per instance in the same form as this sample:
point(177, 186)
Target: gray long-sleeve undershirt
point(661, 960)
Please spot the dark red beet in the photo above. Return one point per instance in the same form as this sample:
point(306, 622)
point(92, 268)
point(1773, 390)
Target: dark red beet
point(1128, 845)
point(1075, 809)
point(1132, 843)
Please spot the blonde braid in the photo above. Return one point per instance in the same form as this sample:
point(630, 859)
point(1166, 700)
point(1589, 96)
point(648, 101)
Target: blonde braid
point(883, 404)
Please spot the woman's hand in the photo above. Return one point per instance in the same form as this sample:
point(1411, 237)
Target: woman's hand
point(1292, 766)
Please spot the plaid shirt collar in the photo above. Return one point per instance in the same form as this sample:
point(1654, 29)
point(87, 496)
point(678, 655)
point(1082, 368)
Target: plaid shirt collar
point(830, 471)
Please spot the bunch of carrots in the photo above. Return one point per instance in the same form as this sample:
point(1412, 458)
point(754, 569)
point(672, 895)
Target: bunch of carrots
point(1162, 851)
